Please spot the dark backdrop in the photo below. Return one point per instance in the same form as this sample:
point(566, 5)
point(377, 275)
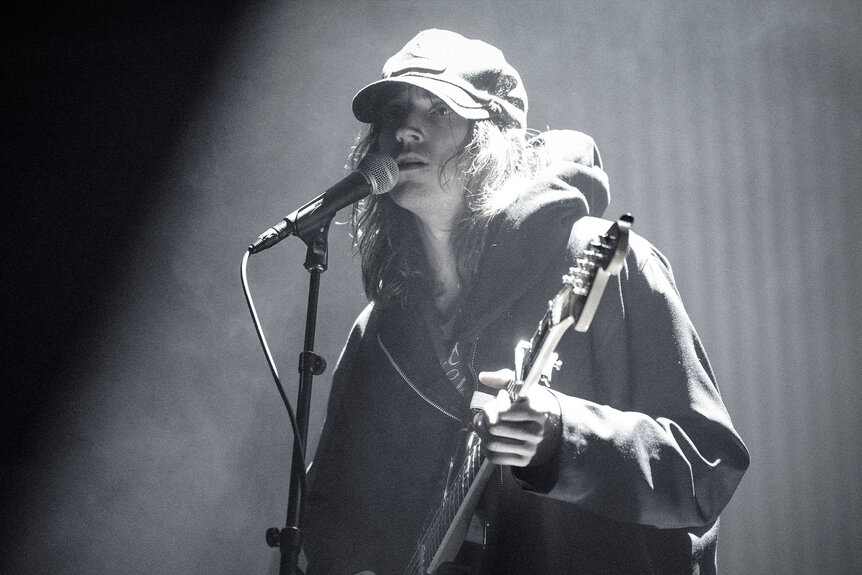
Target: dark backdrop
point(145, 146)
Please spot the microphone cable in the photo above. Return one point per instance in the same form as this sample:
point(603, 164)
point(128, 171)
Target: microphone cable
point(269, 360)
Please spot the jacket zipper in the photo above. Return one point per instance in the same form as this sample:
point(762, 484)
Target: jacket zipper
point(410, 383)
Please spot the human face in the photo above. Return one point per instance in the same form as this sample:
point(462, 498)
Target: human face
point(426, 138)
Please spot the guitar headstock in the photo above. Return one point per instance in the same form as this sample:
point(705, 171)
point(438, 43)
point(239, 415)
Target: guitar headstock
point(575, 304)
point(586, 280)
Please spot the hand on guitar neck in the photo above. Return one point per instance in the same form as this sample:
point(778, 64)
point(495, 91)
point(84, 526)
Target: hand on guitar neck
point(519, 433)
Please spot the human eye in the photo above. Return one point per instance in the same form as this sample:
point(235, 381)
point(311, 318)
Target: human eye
point(440, 109)
point(392, 110)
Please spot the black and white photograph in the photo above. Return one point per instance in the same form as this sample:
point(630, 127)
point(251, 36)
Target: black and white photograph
point(438, 287)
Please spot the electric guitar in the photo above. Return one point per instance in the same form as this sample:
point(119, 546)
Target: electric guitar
point(574, 306)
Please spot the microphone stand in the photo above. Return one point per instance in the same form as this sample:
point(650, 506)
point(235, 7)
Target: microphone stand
point(289, 539)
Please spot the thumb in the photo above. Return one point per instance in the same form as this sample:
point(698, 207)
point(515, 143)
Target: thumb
point(497, 379)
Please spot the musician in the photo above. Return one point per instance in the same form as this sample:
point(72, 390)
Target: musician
point(621, 465)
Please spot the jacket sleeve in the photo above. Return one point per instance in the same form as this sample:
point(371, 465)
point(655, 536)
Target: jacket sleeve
point(658, 448)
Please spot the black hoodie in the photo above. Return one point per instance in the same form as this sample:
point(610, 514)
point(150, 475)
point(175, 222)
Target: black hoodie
point(649, 456)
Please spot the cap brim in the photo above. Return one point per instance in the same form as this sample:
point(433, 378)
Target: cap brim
point(365, 101)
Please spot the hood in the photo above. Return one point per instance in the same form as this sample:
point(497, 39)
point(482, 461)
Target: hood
point(572, 180)
point(534, 229)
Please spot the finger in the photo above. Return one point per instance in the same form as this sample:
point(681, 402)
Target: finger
point(504, 402)
point(485, 419)
point(504, 452)
point(516, 411)
point(500, 449)
point(518, 414)
point(497, 379)
point(490, 414)
point(539, 405)
point(507, 459)
point(491, 411)
point(530, 432)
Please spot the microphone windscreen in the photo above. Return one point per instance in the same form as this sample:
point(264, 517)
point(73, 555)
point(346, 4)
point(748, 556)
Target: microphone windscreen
point(381, 171)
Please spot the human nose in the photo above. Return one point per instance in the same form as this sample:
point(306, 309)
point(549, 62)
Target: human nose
point(409, 128)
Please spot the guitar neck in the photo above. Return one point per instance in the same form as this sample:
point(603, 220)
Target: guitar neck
point(448, 527)
point(541, 358)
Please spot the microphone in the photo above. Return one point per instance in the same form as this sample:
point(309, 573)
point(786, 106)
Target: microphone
point(376, 174)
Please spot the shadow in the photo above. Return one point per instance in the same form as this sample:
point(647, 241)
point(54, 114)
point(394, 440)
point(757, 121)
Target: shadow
point(95, 95)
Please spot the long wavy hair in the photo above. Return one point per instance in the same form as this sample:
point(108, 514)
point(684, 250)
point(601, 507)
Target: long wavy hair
point(394, 267)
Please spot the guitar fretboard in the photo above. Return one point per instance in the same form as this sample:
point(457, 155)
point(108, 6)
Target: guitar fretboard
point(443, 518)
